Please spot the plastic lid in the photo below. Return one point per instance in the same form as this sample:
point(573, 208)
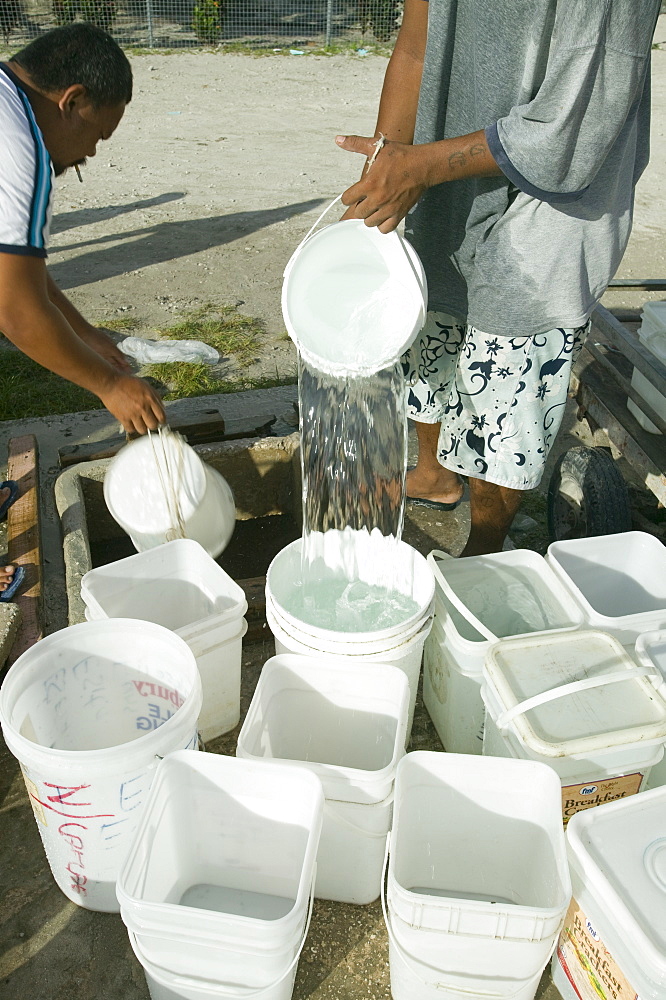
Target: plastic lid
point(595, 713)
point(621, 849)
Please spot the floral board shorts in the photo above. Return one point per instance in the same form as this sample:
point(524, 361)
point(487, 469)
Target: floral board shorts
point(500, 400)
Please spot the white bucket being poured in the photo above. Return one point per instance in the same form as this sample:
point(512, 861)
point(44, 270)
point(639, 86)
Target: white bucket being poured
point(353, 299)
point(158, 489)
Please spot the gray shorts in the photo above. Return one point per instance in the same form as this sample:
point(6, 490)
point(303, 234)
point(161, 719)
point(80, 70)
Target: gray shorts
point(499, 400)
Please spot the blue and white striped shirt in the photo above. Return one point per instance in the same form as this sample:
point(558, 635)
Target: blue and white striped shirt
point(26, 173)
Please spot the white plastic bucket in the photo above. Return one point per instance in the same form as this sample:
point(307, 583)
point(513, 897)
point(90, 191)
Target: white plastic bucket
point(158, 489)
point(180, 586)
point(451, 694)
point(353, 299)
point(651, 653)
point(88, 712)
point(614, 938)
point(163, 985)
point(407, 655)
point(578, 702)
point(501, 595)
point(176, 585)
point(347, 723)
point(331, 642)
point(477, 882)
point(348, 556)
point(478, 601)
point(618, 580)
point(217, 882)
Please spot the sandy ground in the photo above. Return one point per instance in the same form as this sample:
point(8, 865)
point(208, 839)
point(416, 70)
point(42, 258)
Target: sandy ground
point(220, 167)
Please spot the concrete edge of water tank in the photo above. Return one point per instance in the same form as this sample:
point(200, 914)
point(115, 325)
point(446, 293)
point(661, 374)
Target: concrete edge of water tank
point(73, 515)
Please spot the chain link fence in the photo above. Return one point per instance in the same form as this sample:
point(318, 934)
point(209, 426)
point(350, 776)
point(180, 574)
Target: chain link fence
point(267, 24)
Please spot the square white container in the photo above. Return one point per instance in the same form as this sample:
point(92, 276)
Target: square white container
point(618, 580)
point(180, 586)
point(217, 881)
point(478, 882)
point(176, 585)
point(617, 857)
point(347, 724)
point(578, 702)
point(478, 601)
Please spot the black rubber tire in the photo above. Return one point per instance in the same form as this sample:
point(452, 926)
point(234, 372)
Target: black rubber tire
point(587, 496)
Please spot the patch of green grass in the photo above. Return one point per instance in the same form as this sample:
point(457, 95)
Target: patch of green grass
point(28, 390)
point(197, 380)
point(121, 324)
point(220, 327)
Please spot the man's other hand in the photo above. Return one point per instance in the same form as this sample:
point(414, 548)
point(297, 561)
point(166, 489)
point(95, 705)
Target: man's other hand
point(390, 187)
point(132, 401)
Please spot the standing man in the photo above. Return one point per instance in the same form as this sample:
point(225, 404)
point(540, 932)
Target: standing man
point(513, 132)
point(59, 97)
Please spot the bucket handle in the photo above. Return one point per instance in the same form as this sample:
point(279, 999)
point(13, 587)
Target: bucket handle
point(219, 990)
point(409, 960)
point(290, 262)
point(341, 821)
point(453, 598)
point(583, 684)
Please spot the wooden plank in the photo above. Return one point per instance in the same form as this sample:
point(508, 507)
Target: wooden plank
point(630, 346)
point(24, 540)
point(599, 353)
point(202, 428)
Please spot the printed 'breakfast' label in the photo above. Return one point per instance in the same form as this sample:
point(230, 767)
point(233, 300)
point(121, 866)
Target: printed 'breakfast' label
point(595, 793)
point(587, 963)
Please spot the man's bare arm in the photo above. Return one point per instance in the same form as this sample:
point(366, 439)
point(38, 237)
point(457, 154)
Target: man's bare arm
point(89, 334)
point(37, 327)
point(401, 173)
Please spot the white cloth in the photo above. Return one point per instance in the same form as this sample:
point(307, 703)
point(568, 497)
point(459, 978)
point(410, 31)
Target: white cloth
point(26, 173)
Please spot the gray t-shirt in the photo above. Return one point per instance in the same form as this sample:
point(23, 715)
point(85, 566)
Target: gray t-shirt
point(562, 89)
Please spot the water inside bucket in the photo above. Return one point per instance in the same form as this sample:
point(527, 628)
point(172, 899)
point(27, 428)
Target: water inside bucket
point(239, 902)
point(482, 897)
point(509, 600)
point(348, 607)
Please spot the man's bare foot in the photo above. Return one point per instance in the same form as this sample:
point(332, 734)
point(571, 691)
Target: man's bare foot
point(438, 486)
point(6, 576)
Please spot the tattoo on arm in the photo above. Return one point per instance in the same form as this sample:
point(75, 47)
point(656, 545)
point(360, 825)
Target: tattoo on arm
point(477, 150)
point(457, 161)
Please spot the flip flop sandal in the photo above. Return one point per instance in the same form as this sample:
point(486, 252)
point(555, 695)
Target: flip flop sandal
point(433, 504)
point(8, 594)
point(13, 495)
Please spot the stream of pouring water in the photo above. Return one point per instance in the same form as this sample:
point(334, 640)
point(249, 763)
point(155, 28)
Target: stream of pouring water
point(353, 457)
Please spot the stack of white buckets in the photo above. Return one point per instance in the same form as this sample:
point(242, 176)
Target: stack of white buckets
point(214, 862)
